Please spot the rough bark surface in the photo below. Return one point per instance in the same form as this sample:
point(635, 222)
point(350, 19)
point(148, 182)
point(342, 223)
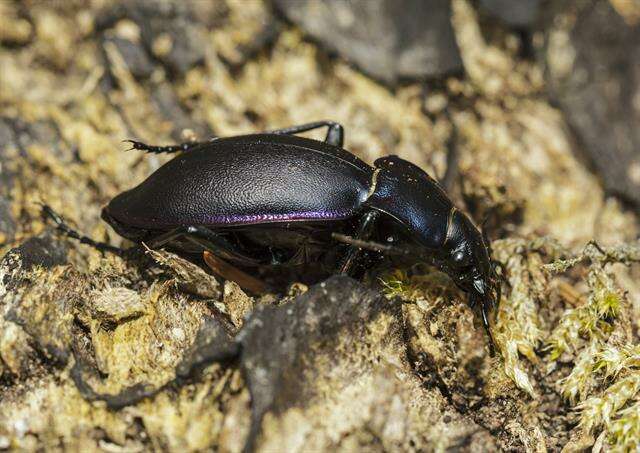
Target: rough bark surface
point(593, 71)
point(151, 352)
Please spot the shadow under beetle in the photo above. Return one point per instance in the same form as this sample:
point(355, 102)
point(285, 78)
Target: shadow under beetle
point(277, 201)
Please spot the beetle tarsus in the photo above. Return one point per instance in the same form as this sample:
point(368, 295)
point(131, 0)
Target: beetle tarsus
point(153, 149)
point(62, 226)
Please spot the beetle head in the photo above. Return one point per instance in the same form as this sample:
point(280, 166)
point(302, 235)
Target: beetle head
point(467, 260)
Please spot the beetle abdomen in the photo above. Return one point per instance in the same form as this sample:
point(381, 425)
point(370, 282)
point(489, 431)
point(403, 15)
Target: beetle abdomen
point(247, 180)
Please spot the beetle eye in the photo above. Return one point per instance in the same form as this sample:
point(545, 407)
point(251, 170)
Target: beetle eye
point(458, 257)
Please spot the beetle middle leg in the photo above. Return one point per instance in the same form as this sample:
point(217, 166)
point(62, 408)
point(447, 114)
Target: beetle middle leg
point(215, 245)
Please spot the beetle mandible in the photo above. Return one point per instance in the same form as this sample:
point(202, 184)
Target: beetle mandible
point(278, 200)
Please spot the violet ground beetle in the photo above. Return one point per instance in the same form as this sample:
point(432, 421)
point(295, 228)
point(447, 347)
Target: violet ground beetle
point(275, 200)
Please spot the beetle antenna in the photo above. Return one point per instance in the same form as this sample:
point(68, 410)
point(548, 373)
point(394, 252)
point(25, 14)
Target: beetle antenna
point(370, 245)
point(483, 230)
point(496, 302)
point(500, 276)
point(49, 213)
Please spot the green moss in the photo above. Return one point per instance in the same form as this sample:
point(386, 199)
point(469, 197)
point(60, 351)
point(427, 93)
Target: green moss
point(612, 360)
point(599, 410)
point(624, 431)
point(396, 284)
point(419, 287)
point(608, 304)
point(518, 329)
point(606, 373)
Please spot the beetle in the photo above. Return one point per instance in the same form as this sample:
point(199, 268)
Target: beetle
point(276, 200)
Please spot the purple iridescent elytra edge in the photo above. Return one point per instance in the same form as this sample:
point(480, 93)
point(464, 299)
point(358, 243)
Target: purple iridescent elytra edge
point(264, 218)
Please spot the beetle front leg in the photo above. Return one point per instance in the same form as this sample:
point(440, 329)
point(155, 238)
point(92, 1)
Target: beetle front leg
point(363, 232)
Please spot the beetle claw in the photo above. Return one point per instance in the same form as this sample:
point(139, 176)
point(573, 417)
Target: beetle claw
point(134, 145)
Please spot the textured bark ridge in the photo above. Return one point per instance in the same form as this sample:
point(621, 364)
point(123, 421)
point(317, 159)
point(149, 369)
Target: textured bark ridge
point(150, 352)
point(306, 361)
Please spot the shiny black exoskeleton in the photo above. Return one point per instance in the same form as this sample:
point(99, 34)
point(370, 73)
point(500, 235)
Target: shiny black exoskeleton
point(277, 200)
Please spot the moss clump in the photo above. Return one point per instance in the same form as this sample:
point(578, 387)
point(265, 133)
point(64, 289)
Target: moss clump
point(614, 410)
point(418, 287)
point(624, 431)
point(591, 321)
point(605, 379)
point(396, 284)
point(519, 329)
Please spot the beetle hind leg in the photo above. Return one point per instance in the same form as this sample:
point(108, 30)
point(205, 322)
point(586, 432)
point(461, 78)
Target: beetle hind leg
point(206, 239)
point(335, 136)
point(61, 225)
point(335, 131)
